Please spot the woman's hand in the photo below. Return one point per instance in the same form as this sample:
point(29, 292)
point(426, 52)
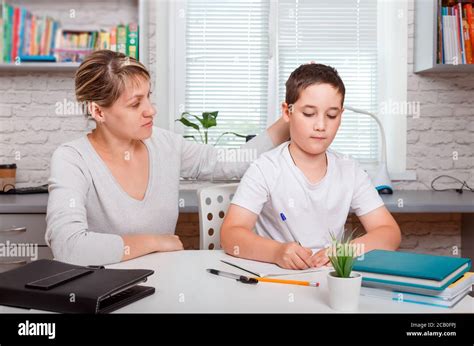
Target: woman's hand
point(136, 245)
point(168, 242)
point(279, 131)
point(293, 256)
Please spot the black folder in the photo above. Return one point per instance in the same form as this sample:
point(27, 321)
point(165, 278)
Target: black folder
point(61, 287)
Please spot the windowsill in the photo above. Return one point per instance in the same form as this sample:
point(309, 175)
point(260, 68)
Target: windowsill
point(193, 185)
point(403, 176)
point(407, 175)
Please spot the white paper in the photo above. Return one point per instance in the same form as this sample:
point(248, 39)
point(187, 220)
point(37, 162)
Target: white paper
point(264, 269)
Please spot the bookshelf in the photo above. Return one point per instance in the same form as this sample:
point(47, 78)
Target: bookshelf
point(140, 16)
point(426, 40)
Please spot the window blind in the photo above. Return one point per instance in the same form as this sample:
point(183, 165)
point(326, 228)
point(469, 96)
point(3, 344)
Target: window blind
point(342, 34)
point(227, 46)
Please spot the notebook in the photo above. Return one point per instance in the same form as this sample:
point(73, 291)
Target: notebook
point(263, 269)
point(461, 284)
point(403, 297)
point(411, 269)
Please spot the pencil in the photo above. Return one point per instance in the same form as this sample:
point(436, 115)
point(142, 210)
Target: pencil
point(289, 282)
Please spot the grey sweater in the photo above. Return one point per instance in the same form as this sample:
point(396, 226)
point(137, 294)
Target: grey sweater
point(88, 210)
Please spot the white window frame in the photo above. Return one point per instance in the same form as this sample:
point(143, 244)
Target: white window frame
point(392, 41)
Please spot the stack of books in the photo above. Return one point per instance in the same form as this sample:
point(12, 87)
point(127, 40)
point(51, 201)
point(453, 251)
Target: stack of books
point(27, 37)
point(23, 34)
point(455, 33)
point(73, 45)
point(415, 278)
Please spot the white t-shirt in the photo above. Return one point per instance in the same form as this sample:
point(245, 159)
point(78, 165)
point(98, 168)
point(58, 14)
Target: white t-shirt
point(273, 184)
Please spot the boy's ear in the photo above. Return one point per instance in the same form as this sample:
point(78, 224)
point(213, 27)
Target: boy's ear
point(96, 112)
point(285, 111)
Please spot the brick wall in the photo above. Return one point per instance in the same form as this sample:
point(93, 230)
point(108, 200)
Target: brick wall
point(30, 128)
point(445, 124)
point(427, 233)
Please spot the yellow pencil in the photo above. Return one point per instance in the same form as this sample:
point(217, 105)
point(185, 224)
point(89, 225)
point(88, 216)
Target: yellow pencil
point(289, 282)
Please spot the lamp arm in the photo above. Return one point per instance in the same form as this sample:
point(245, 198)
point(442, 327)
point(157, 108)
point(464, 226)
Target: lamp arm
point(379, 123)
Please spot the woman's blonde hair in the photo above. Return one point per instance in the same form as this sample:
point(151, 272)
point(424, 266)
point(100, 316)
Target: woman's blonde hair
point(102, 77)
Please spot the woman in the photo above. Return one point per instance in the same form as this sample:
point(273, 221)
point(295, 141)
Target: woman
point(113, 194)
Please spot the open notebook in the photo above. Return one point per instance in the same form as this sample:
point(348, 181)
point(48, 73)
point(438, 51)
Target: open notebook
point(262, 269)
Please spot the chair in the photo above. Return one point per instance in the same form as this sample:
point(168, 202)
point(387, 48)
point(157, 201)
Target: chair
point(213, 202)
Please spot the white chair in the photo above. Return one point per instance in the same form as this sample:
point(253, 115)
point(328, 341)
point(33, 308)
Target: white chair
point(213, 202)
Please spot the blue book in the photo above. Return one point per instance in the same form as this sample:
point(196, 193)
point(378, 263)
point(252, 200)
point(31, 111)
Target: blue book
point(411, 269)
point(38, 58)
point(404, 297)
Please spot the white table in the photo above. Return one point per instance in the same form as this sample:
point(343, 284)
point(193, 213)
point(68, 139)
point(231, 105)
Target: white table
point(184, 286)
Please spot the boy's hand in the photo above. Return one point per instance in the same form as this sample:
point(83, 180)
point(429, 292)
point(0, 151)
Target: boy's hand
point(320, 258)
point(293, 256)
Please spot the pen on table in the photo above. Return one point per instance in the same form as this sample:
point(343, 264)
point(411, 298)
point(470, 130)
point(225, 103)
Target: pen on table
point(241, 278)
point(248, 280)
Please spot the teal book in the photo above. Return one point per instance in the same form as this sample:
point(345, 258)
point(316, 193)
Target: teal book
point(411, 269)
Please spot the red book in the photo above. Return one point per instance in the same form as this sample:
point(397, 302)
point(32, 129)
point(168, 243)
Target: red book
point(16, 26)
point(470, 22)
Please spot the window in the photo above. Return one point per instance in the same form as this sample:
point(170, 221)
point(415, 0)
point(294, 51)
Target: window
point(227, 66)
point(234, 56)
point(342, 34)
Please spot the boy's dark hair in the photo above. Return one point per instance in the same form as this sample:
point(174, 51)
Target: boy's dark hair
point(309, 74)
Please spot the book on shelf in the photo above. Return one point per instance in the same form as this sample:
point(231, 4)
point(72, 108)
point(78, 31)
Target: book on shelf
point(25, 37)
point(455, 32)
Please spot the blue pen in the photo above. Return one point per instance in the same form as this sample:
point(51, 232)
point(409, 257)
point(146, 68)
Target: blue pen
point(283, 218)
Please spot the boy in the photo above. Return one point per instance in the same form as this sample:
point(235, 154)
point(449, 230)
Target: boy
point(298, 193)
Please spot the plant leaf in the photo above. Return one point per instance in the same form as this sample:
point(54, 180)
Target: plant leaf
point(209, 119)
point(336, 266)
point(340, 262)
point(188, 123)
point(187, 114)
point(213, 115)
point(348, 266)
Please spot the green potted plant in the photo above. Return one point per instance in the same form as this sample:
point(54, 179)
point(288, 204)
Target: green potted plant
point(205, 122)
point(343, 284)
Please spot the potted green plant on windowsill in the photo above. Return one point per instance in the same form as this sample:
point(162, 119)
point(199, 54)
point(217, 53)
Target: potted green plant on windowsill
point(343, 284)
point(205, 122)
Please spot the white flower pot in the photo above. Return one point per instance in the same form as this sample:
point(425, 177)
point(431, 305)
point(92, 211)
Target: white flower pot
point(344, 292)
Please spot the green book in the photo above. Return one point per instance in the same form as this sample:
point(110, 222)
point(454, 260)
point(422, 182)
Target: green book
point(132, 40)
point(7, 31)
point(1, 32)
point(122, 39)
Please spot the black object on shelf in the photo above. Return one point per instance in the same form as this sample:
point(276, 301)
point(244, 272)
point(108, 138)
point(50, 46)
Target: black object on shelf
point(26, 190)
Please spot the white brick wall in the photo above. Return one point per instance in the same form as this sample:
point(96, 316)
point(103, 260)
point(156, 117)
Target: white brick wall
point(445, 124)
point(30, 129)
